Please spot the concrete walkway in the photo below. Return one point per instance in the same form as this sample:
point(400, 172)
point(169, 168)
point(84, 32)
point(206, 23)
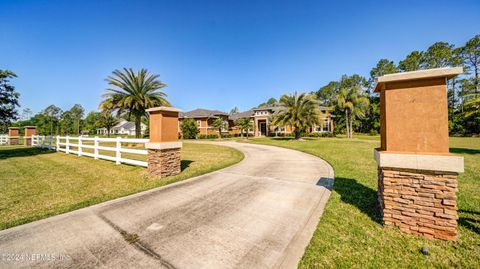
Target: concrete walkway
point(259, 213)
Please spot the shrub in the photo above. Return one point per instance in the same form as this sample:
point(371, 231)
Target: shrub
point(373, 132)
point(189, 128)
point(227, 135)
point(314, 134)
point(322, 134)
point(207, 136)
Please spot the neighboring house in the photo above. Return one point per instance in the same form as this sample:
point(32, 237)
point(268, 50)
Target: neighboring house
point(123, 128)
point(261, 120)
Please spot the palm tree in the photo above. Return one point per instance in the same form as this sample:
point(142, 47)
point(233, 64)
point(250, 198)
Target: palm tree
point(472, 106)
point(133, 93)
point(244, 124)
point(107, 120)
point(354, 104)
point(220, 124)
point(301, 111)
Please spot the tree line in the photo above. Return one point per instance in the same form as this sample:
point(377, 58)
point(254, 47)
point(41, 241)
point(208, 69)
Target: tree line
point(54, 121)
point(356, 106)
point(351, 98)
point(128, 97)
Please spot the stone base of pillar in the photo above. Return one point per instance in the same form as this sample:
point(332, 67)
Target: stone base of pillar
point(417, 193)
point(419, 202)
point(164, 159)
point(13, 141)
point(28, 141)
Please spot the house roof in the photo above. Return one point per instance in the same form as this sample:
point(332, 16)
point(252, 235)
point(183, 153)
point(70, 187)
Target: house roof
point(245, 114)
point(127, 125)
point(202, 113)
point(268, 108)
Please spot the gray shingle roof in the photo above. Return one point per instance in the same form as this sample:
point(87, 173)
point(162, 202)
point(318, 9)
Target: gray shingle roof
point(245, 114)
point(202, 113)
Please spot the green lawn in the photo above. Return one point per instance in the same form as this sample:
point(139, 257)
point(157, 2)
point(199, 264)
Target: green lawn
point(38, 183)
point(350, 233)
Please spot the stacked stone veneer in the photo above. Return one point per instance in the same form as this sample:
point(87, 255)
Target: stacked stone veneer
point(13, 141)
point(164, 162)
point(419, 202)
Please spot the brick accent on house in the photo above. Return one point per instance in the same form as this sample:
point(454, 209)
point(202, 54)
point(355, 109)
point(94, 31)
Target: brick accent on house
point(419, 202)
point(164, 162)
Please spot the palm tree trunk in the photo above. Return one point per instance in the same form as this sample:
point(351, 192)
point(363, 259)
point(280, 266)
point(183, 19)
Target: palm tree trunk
point(138, 126)
point(351, 125)
point(346, 123)
point(297, 133)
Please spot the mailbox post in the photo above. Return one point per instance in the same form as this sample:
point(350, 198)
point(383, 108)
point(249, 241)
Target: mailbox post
point(164, 148)
point(417, 176)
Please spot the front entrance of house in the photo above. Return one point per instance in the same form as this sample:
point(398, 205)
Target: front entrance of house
point(262, 127)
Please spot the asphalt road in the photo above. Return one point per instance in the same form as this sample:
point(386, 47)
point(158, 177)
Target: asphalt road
point(259, 213)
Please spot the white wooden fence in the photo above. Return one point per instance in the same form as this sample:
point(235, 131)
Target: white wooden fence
point(3, 139)
point(77, 145)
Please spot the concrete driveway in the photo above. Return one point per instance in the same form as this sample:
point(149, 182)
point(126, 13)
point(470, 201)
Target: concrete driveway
point(259, 213)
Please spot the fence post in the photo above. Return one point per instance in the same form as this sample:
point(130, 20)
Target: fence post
point(79, 148)
point(67, 145)
point(57, 144)
point(95, 148)
point(118, 154)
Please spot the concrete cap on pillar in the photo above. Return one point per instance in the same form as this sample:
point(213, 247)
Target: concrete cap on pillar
point(163, 124)
point(414, 112)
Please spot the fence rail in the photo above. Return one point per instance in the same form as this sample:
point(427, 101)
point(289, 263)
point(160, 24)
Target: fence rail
point(3, 139)
point(92, 147)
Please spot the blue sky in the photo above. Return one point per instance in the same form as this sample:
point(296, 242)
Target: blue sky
point(214, 54)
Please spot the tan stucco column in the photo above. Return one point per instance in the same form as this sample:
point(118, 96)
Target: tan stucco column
point(163, 148)
point(417, 176)
point(13, 135)
point(29, 132)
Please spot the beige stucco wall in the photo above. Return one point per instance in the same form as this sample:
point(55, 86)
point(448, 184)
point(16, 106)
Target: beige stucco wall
point(414, 116)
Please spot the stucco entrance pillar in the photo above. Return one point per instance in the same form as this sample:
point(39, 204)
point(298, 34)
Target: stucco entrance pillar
point(29, 132)
point(164, 148)
point(417, 176)
point(13, 135)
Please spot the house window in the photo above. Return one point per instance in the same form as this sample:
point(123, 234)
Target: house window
point(199, 123)
point(325, 128)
